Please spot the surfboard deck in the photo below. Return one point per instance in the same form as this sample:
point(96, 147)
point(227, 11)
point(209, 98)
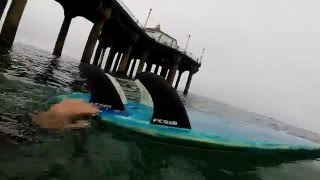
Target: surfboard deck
point(208, 131)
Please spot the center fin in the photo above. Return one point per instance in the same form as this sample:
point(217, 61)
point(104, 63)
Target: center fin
point(168, 108)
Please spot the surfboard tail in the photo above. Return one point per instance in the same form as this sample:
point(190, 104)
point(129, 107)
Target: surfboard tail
point(168, 110)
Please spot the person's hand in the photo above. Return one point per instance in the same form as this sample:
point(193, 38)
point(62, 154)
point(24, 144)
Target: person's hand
point(62, 115)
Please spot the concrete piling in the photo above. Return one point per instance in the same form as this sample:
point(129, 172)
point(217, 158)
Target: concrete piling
point(157, 69)
point(178, 79)
point(149, 67)
point(3, 5)
point(102, 57)
point(62, 35)
point(91, 42)
point(173, 70)
point(186, 90)
point(116, 64)
point(110, 59)
point(94, 35)
point(124, 61)
point(98, 54)
point(142, 61)
point(164, 72)
point(132, 68)
point(128, 66)
point(12, 21)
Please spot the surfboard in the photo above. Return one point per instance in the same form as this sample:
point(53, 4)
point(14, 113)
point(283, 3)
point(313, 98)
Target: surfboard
point(161, 115)
point(208, 131)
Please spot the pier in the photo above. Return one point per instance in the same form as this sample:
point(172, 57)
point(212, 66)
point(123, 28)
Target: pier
point(133, 48)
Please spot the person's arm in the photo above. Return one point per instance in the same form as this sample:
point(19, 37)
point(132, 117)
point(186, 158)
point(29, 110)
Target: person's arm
point(64, 114)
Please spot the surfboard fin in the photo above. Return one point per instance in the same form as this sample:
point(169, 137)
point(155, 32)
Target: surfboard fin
point(168, 108)
point(102, 87)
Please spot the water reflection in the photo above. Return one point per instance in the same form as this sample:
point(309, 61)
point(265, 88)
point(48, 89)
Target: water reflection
point(5, 59)
point(47, 75)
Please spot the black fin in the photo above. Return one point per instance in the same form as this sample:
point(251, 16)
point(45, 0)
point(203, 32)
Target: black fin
point(101, 87)
point(168, 108)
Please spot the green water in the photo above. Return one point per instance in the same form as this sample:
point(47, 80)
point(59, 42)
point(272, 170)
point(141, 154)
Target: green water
point(30, 79)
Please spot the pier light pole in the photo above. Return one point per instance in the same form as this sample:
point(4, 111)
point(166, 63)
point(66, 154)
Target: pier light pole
point(202, 55)
point(187, 43)
point(145, 25)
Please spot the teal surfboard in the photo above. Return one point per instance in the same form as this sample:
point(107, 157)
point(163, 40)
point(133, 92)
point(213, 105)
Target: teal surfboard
point(161, 116)
point(208, 131)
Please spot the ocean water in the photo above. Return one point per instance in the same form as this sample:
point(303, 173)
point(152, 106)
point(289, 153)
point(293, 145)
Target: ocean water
point(30, 79)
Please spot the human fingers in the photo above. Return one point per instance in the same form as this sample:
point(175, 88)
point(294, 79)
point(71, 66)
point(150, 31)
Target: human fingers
point(87, 109)
point(74, 107)
point(47, 121)
point(78, 125)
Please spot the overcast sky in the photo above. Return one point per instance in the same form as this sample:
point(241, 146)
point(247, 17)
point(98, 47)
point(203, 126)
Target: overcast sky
point(263, 56)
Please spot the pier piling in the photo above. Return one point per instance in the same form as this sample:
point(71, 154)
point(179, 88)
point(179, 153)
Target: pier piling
point(102, 57)
point(132, 68)
point(164, 72)
point(186, 90)
point(91, 42)
point(178, 79)
point(97, 55)
point(94, 35)
point(149, 67)
point(62, 35)
point(124, 61)
point(12, 22)
point(116, 64)
point(157, 69)
point(142, 61)
point(173, 70)
point(128, 66)
point(112, 54)
point(3, 5)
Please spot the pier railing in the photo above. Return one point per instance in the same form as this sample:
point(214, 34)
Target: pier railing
point(187, 53)
point(127, 10)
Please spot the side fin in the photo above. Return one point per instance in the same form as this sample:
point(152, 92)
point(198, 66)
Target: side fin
point(168, 108)
point(101, 87)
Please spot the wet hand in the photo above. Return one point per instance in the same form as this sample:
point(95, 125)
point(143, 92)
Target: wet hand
point(62, 115)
